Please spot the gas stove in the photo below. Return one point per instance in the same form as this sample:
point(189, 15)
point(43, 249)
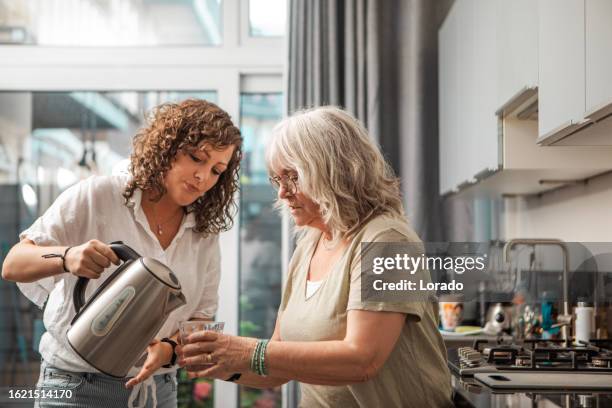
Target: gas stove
point(531, 371)
point(532, 356)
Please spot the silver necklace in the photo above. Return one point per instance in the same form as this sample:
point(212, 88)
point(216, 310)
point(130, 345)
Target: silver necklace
point(159, 225)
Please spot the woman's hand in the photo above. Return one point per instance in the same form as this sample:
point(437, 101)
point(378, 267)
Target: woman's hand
point(193, 370)
point(90, 259)
point(158, 354)
point(216, 355)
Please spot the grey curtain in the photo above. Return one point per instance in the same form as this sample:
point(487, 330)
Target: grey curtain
point(378, 60)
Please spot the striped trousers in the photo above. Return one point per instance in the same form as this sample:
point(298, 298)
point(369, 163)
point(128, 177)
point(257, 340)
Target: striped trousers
point(60, 388)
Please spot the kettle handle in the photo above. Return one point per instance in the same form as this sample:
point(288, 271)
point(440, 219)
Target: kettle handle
point(124, 252)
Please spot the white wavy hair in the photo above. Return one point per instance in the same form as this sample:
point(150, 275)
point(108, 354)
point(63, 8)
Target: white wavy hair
point(338, 166)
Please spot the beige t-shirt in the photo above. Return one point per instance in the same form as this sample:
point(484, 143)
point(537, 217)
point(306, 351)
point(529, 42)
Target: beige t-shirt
point(415, 373)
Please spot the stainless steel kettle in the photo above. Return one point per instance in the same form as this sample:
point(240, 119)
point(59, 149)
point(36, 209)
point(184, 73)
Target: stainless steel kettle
point(112, 330)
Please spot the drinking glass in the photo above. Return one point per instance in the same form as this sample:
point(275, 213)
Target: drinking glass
point(192, 326)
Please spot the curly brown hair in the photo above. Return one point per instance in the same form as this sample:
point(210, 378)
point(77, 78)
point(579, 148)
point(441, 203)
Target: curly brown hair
point(171, 127)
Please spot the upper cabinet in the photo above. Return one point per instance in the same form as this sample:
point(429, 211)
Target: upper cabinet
point(466, 91)
point(517, 49)
point(448, 85)
point(598, 52)
point(575, 61)
point(511, 72)
point(561, 64)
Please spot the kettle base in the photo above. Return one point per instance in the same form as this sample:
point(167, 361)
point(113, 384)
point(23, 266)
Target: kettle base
point(93, 365)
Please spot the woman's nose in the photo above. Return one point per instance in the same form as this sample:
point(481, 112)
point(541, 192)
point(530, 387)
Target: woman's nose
point(284, 192)
point(200, 176)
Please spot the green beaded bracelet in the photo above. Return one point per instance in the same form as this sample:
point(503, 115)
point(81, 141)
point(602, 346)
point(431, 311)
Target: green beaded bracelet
point(258, 363)
point(255, 357)
point(262, 358)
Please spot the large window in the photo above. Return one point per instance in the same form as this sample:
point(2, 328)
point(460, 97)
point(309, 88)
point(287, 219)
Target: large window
point(267, 18)
point(260, 233)
point(110, 22)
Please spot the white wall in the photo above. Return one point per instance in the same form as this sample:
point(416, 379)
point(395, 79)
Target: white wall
point(580, 213)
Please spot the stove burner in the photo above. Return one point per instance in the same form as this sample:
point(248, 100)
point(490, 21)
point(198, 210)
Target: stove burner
point(522, 361)
point(502, 354)
point(605, 362)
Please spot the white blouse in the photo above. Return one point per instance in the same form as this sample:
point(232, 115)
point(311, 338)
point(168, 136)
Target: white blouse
point(95, 209)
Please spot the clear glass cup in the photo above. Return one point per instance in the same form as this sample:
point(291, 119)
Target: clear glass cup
point(192, 326)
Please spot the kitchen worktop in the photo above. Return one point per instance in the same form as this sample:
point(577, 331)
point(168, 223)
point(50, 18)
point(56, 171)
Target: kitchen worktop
point(470, 393)
point(462, 341)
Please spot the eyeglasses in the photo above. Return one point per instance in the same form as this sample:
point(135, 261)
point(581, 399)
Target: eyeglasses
point(289, 182)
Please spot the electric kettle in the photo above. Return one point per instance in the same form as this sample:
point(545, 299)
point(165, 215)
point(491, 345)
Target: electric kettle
point(112, 330)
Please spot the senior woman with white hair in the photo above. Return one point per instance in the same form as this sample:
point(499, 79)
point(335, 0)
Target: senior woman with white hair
point(346, 352)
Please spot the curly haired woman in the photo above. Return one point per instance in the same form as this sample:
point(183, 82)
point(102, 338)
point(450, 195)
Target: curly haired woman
point(176, 200)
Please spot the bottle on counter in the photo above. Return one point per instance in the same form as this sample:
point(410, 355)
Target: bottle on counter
point(584, 323)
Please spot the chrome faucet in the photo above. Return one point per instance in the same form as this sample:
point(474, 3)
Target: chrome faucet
point(565, 320)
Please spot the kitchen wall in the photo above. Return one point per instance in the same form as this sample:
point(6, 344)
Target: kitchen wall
point(579, 213)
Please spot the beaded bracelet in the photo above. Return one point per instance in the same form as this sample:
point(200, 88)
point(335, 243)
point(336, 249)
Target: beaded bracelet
point(258, 358)
point(254, 357)
point(262, 358)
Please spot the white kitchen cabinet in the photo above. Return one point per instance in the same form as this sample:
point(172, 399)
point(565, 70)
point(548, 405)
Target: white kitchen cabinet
point(468, 125)
point(498, 56)
point(575, 95)
point(598, 53)
point(561, 50)
point(484, 152)
point(450, 62)
point(517, 50)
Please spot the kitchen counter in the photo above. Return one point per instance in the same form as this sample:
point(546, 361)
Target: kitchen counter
point(470, 393)
point(464, 341)
point(470, 337)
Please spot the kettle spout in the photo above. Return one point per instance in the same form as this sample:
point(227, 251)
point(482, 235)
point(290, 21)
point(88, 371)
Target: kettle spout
point(175, 300)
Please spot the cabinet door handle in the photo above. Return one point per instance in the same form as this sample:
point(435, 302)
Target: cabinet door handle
point(600, 112)
point(562, 131)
